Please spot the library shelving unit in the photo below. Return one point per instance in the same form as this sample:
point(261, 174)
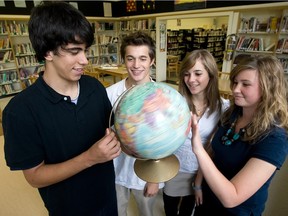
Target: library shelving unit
point(105, 50)
point(10, 82)
point(187, 40)
point(173, 42)
point(282, 44)
point(265, 32)
point(19, 67)
point(27, 65)
point(216, 44)
point(211, 39)
point(127, 25)
point(177, 42)
point(9, 79)
point(182, 47)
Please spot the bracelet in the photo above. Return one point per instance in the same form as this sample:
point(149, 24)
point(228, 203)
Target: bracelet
point(195, 187)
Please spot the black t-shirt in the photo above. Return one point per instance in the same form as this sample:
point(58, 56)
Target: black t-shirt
point(42, 125)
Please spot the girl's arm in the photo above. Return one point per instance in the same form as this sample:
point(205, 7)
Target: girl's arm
point(242, 186)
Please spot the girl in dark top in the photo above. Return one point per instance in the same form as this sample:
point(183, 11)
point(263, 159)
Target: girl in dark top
point(250, 144)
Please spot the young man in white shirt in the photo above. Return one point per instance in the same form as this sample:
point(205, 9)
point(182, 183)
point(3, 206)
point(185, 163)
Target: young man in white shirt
point(138, 53)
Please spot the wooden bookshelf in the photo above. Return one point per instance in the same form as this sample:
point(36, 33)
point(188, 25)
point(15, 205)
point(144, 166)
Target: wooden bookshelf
point(9, 77)
point(263, 31)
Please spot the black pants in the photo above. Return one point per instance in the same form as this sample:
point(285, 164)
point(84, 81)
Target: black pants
point(178, 206)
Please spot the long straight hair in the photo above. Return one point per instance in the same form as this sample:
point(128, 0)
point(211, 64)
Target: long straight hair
point(211, 92)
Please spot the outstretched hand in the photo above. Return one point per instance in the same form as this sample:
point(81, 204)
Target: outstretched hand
point(196, 139)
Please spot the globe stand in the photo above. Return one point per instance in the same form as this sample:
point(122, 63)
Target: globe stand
point(157, 170)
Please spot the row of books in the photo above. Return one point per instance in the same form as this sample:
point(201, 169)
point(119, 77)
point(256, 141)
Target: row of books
point(29, 81)
point(4, 43)
point(18, 28)
point(254, 24)
point(200, 32)
point(253, 44)
point(172, 33)
point(284, 62)
point(25, 61)
point(92, 52)
point(106, 39)
point(6, 56)
point(93, 60)
point(10, 88)
point(282, 46)
point(284, 24)
point(3, 29)
point(135, 25)
point(172, 46)
point(104, 60)
point(103, 26)
point(14, 28)
point(216, 39)
point(23, 48)
point(175, 40)
point(109, 49)
point(8, 76)
point(172, 52)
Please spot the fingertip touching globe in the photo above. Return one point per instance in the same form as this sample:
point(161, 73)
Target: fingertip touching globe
point(152, 120)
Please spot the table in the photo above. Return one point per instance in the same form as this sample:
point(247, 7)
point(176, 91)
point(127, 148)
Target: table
point(120, 72)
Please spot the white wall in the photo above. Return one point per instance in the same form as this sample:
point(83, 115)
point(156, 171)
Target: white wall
point(207, 23)
point(278, 194)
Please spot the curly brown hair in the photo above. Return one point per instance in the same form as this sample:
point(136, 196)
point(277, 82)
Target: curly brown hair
point(272, 108)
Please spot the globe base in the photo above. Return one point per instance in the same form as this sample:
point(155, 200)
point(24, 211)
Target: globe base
point(156, 171)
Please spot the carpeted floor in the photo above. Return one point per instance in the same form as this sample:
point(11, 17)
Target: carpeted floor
point(17, 198)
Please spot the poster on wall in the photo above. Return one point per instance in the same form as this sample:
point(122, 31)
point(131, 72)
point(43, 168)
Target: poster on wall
point(2, 3)
point(36, 2)
point(162, 37)
point(20, 3)
point(107, 8)
point(131, 6)
point(181, 5)
point(148, 5)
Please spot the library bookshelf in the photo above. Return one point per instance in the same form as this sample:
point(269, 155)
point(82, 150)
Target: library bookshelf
point(18, 65)
point(263, 32)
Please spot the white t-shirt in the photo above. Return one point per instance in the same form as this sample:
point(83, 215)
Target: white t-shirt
point(181, 185)
point(185, 155)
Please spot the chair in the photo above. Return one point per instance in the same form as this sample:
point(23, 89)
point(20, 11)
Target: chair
point(89, 70)
point(224, 85)
point(172, 65)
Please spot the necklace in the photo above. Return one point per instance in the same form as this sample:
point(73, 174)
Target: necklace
point(200, 110)
point(230, 136)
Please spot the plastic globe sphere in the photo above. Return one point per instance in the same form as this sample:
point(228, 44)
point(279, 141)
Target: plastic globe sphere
point(152, 120)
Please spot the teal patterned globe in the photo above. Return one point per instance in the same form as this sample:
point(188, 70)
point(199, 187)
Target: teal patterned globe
point(152, 120)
